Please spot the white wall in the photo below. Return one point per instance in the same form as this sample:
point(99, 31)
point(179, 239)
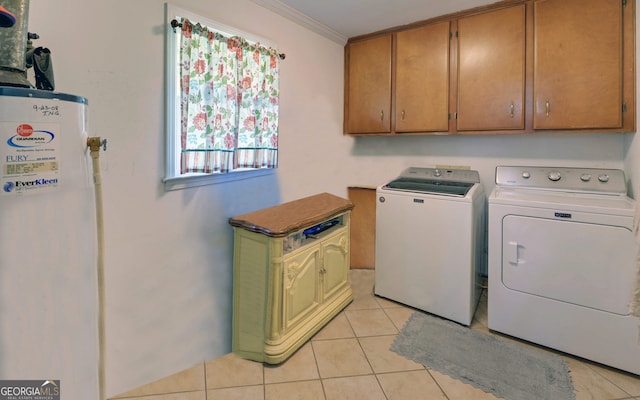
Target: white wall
point(169, 254)
point(632, 142)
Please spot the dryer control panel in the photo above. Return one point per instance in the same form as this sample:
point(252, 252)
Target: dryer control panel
point(587, 180)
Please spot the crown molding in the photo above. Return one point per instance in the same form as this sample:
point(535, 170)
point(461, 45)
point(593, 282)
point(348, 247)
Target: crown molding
point(301, 19)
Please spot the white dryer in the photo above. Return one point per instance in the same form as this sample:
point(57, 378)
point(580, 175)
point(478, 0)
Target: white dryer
point(562, 262)
point(430, 241)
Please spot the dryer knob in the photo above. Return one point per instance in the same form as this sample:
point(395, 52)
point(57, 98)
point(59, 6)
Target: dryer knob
point(554, 176)
point(585, 177)
point(604, 178)
point(526, 174)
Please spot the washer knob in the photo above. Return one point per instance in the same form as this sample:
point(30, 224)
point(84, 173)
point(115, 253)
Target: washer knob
point(526, 174)
point(604, 178)
point(585, 177)
point(437, 172)
point(554, 176)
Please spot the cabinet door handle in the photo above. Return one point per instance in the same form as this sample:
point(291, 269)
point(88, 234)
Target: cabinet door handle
point(403, 115)
point(512, 109)
point(381, 115)
point(547, 106)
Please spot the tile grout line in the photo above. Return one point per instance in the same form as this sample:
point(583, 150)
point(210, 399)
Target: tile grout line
point(375, 374)
point(357, 337)
point(206, 394)
point(373, 371)
point(315, 360)
point(436, 382)
point(264, 381)
point(632, 397)
point(423, 366)
point(399, 330)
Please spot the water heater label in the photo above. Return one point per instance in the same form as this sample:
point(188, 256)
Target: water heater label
point(29, 157)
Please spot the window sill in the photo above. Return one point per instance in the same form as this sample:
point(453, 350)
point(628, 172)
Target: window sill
point(195, 180)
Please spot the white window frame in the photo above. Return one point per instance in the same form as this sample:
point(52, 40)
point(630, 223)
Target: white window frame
point(173, 180)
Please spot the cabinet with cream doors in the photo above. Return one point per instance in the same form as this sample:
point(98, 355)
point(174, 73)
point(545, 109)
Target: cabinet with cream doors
point(290, 274)
point(578, 64)
point(314, 275)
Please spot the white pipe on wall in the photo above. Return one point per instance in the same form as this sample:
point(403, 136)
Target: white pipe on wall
point(94, 144)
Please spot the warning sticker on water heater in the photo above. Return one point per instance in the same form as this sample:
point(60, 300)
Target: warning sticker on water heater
point(29, 156)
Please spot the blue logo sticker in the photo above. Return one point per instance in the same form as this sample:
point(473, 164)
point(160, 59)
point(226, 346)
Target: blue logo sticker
point(36, 139)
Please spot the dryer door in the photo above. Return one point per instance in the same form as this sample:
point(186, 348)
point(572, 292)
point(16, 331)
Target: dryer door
point(587, 264)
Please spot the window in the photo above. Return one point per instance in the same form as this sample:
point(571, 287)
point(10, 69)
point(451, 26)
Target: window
point(222, 102)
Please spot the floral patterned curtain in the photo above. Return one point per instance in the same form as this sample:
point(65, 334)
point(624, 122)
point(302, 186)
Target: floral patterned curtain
point(258, 107)
point(229, 102)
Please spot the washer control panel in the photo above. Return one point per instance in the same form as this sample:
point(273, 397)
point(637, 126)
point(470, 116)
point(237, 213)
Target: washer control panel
point(590, 180)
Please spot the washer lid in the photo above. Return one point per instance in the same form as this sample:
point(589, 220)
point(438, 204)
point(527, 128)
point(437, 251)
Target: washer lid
point(449, 182)
point(430, 186)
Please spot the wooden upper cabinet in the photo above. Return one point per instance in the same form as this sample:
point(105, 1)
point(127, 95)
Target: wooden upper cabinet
point(578, 73)
point(422, 79)
point(515, 66)
point(369, 86)
point(491, 70)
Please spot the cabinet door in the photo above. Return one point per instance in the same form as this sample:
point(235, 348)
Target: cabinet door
point(335, 263)
point(491, 76)
point(577, 64)
point(362, 241)
point(369, 86)
point(301, 285)
point(422, 79)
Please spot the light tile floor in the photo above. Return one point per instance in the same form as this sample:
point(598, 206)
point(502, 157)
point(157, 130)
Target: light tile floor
point(349, 359)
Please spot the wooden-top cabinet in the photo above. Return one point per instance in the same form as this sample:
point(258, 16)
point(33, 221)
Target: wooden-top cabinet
point(578, 71)
point(517, 66)
point(290, 274)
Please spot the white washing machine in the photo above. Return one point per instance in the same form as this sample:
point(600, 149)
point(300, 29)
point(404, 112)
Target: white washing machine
point(430, 241)
point(562, 262)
